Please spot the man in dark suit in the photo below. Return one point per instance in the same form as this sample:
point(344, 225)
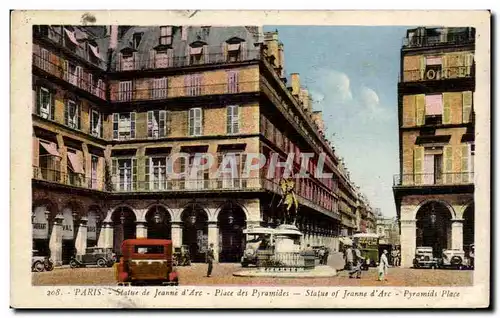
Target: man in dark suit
point(210, 259)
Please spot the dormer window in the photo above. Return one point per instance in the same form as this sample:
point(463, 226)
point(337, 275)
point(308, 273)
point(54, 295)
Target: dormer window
point(236, 50)
point(166, 35)
point(198, 53)
point(136, 40)
point(70, 37)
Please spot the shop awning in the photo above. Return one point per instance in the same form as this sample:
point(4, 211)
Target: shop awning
point(233, 47)
point(94, 50)
point(51, 148)
point(76, 164)
point(345, 241)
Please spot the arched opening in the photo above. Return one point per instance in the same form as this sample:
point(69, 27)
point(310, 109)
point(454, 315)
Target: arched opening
point(124, 227)
point(71, 214)
point(158, 220)
point(232, 221)
point(434, 227)
point(468, 227)
point(94, 223)
point(42, 220)
point(195, 231)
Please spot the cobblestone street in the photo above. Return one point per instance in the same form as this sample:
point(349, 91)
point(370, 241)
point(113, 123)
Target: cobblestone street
point(223, 275)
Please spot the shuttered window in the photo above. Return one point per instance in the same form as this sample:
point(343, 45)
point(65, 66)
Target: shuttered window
point(418, 164)
point(159, 88)
point(232, 82)
point(125, 91)
point(233, 119)
point(195, 122)
point(157, 123)
point(466, 106)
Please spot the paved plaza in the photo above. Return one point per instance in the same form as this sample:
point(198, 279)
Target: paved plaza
point(194, 275)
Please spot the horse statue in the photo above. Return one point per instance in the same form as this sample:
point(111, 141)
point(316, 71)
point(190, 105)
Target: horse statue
point(289, 200)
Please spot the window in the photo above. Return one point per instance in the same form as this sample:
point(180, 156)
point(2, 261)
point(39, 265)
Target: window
point(234, 164)
point(232, 82)
point(160, 88)
point(90, 84)
point(94, 162)
point(75, 169)
point(166, 35)
point(157, 123)
point(433, 166)
point(72, 73)
point(72, 114)
point(433, 68)
point(45, 63)
point(193, 84)
point(198, 55)
point(124, 174)
point(123, 126)
point(233, 52)
point(156, 173)
point(195, 181)
point(136, 40)
point(233, 119)
point(433, 109)
point(161, 59)
point(49, 161)
point(195, 122)
point(45, 105)
point(101, 89)
point(95, 123)
point(125, 91)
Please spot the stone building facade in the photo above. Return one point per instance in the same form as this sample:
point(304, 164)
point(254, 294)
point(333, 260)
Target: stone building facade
point(113, 105)
point(434, 191)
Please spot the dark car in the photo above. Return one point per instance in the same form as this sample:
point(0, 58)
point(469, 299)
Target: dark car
point(100, 256)
point(40, 262)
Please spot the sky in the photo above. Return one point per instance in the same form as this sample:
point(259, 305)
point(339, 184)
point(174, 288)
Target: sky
point(352, 74)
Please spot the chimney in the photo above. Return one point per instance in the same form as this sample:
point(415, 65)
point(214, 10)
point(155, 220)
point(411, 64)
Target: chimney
point(317, 117)
point(295, 84)
point(305, 99)
point(113, 41)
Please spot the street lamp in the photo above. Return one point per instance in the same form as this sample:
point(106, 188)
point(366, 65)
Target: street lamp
point(157, 216)
point(230, 217)
point(433, 216)
point(122, 217)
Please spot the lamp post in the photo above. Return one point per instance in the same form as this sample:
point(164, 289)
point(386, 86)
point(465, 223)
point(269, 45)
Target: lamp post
point(157, 216)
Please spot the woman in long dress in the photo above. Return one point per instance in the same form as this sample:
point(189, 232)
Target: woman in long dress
point(383, 266)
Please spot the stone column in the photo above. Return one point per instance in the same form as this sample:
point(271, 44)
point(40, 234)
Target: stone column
point(55, 242)
point(213, 237)
point(408, 242)
point(141, 230)
point(106, 235)
point(81, 237)
point(176, 234)
point(457, 234)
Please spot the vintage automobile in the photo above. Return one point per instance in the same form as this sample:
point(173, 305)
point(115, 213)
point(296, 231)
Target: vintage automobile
point(452, 258)
point(100, 256)
point(146, 262)
point(256, 238)
point(182, 256)
point(368, 244)
point(424, 258)
point(40, 263)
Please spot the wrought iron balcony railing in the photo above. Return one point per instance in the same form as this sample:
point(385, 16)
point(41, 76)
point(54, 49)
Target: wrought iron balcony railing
point(72, 179)
point(439, 40)
point(45, 64)
point(430, 179)
point(163, 61)
point(420, 75)
point(149, 94)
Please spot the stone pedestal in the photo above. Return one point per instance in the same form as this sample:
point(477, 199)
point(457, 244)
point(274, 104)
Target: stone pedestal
point(141, 230)
point(81, 237)
point(408, 242)
point(176, 234)
point(213, 237)
point(55, 242)
point(457, 229)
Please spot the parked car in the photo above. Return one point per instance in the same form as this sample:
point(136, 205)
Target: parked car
point(100, 256)
point(146, 262)
point(452, 258)
point(40, 263)
point(424, 258)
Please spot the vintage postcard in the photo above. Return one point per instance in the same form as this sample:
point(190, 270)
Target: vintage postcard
point(216, 159)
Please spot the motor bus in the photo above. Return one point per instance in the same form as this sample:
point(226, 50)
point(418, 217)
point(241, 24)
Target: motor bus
point(368, 244)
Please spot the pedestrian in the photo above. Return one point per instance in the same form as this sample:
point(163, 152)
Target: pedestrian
point(321, 255)
point(383, 266)
point(210, 259)
point(358, 262)
point(349, 260)
point(325, 259)
point(397, 260)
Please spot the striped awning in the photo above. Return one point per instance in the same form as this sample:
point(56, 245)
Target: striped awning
point(75, 162)
point(196, 50)
point(71, 36)
point(51, 148)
